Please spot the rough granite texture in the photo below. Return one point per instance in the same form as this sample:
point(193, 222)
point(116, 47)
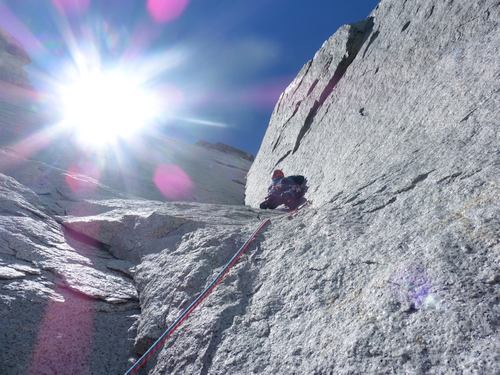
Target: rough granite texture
point(414, 88)
point(394, 268)
point(55, 291)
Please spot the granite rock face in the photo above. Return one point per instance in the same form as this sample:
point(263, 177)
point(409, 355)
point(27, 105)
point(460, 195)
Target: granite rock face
point(161, 168)
point(394, 268)
point(412, 88)
point(68, 300)
point(62, 302)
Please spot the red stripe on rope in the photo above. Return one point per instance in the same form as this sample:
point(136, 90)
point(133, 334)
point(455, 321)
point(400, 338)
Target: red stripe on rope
point(206, 292)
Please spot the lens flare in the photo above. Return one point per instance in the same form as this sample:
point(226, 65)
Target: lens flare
point(412, 286)
point(64, 340)
point(71, 6)
point(102, 106)
point(173, 182)
point(82, 178)
point(166, 10)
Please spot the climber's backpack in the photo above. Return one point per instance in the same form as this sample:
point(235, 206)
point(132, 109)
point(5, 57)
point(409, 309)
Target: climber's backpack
point(300, 183)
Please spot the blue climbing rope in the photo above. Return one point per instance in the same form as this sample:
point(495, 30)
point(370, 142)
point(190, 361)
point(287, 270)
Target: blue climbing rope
point(187, 311)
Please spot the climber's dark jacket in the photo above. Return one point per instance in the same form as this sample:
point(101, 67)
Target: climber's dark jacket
point(286, 190)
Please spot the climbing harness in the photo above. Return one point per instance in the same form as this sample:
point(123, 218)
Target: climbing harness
point(292, 213)
point(188, 310)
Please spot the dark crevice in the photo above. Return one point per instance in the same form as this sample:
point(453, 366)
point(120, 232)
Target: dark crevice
point(468, 115)
point(367, 185)
point(83, 238)
point(312, 87)
point(278, 105)
point(415, 182)
point(310, 117)
point(390, 201)
point(282, 158)
point(352, 198)
point(308, 64)
point(39, 215)
point(450, 177)
point(471, 173)
point(431, 12)
point(297, 106)
point(277, 142)
point(480, 104)
point(358, 34)
point(420, 178)
point(336, 196)
point(325, 113)
point(370, 42)
point(406, 25)
point(359, 202)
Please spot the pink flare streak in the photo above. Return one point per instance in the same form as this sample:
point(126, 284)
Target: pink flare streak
point(27, 147)
point(64, 340)
point(71, 6)
point(10, 92)
point(173, 182)
point(77, 178)
point(10, 23)
point(166, 10)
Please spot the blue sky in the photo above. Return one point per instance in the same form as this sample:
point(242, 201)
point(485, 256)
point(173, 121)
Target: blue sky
point(232, 58)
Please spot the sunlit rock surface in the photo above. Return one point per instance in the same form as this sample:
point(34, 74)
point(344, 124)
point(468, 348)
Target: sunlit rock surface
point(60, 299)
point(393, 269)
point(413, 88)
point(68, 302)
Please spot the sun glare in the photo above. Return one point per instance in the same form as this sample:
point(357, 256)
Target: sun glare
point(103, 106)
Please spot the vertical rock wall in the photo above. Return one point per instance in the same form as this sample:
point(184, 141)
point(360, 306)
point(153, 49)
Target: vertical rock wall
point(413, 88)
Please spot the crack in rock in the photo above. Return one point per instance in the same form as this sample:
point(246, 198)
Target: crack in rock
point(449, 178)
point(358, 34)
point(84, 238)
point(390, 201)
point(308, 66)
point(414, 182)
point(282, 158)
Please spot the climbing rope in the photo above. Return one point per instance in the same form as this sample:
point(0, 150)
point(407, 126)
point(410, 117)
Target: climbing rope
point(188, 310)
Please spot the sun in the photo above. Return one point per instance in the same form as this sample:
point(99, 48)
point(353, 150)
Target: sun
point(102, 106)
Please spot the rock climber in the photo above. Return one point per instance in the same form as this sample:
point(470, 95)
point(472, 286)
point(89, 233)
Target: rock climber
point(285, 190)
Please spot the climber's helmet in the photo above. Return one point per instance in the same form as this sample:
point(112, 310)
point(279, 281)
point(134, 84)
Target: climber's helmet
point(278, 173)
